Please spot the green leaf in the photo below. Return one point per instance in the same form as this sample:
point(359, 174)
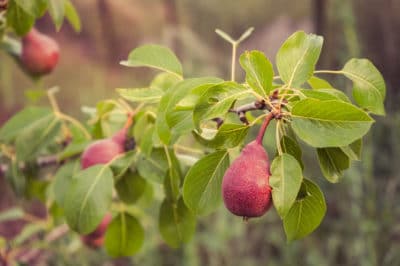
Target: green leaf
point(37, 136)
point(202, 186)
point(57, 12)
point(130, 187)
point(146, 142)
point(73, 149)
point(306, 213)
point(142, 123)
point(227, 136)
point(318, 83)
point(259, 71)
point(19, 19)
point(88, 198)
point(217, 100)
point(153, 167)
point(188, 102)
point(164, 81)
point(27, 233)
point(180, 122)
point(11, 46)
point(333, 161)
point(173, 179)
point(33, 8)
point(146, 95)
point(104, 107)
point(63, 179)
point(124, 236)
point(176, 223)
point(14, 213)
point(285, 180)
point(326, 95)
point(292, 147)
point(20, 121)
point(16, 178)
point(353, 151)
point(180, 118)
point(120, 165)
point(297, 57)
point(166, 110)
point(369, 89)
point(72, 16)
point(329, 123)
point(187, 160)
point(154, 56)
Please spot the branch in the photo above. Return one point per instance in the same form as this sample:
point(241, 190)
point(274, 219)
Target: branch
point(257, 105)
point(43, 161)
point(241, 110)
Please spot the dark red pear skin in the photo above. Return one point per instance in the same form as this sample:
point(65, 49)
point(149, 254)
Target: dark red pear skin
point(96, 238)
point(120, 137)
point(40, 53)
point(100, 152)
point(245, 186)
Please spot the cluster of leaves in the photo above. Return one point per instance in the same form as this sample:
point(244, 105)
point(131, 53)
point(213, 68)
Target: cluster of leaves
point(176, 113)
point(310, 109)
point(20, 15)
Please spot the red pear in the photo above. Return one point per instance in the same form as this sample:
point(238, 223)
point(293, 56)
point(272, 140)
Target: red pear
point(100, 152)
point(103, 151)
point(120, 137)
point(245, 186)
point(39, 53)
point(96, 238)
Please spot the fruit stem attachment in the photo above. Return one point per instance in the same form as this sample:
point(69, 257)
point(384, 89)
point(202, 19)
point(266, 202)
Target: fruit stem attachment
point(129, 121)
point(263, 127)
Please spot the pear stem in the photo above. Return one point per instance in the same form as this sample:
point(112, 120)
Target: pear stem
point(129, 121)
point(263, 127)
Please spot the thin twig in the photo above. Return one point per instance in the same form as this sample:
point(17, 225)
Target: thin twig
point(42, 161)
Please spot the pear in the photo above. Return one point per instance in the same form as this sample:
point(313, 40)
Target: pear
point(245, 187)
point(96, 238)
point(39, 54)
point(103, 151)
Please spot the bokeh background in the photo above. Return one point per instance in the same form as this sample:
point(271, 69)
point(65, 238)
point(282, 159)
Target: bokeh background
point(362, 225)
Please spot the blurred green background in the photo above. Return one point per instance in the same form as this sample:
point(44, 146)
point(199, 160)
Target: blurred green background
point(362, 225)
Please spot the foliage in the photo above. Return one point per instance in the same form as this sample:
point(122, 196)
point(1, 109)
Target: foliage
point(176, 114)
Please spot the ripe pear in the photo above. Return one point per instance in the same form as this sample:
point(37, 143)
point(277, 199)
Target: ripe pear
point(120, 136)
point(96, 238)
point(39, 54)
point(245, 186)
point(103, 151)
